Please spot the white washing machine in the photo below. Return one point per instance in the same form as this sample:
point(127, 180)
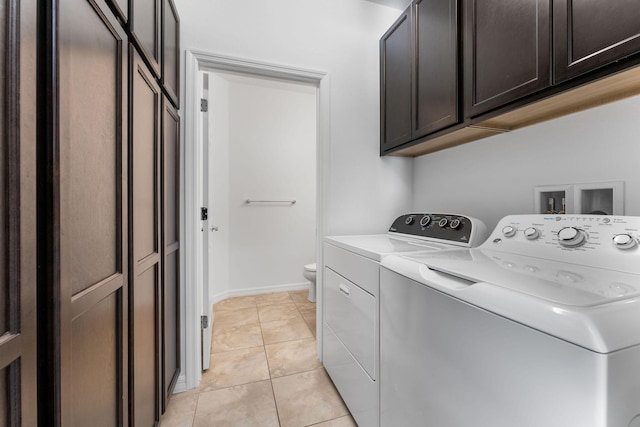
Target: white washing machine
point(351, 306)
point(537, 327)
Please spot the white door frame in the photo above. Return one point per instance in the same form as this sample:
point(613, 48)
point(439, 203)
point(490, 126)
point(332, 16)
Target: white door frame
point(191, 258)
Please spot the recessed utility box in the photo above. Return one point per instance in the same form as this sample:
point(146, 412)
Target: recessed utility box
point(602, 198)
point(598, 198)
point(553, 199)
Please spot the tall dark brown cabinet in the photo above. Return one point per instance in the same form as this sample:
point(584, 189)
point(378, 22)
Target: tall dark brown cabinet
point(107, 322)
point(18, 213)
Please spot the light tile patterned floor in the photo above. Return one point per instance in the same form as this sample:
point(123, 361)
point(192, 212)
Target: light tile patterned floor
point(264, 370)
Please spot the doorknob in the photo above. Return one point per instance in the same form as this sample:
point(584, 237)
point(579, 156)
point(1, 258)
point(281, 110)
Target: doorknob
point(214, 228)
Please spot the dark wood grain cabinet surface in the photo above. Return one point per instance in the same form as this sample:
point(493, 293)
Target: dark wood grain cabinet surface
point(145, 253)
point(93, 225)
point(419, 73)
point(145, 28)
point(18, 239)
point(171, 248)
point(395, 83)
point(507, 51)
point(589, 34)
point(435, 66)
point(171, 52)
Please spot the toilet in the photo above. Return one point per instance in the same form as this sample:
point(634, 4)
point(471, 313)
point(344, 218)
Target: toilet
point(310, 274)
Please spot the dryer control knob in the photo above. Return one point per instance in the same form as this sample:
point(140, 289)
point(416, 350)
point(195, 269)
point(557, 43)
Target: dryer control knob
point(624, 241)
point(455, 223)
point(409, 220)
point(531, 233)
point(425, 220)
point(509, 231)
point(443, 222)
point(571, 237)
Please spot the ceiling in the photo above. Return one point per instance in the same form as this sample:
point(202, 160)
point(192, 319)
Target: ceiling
point(396, 4)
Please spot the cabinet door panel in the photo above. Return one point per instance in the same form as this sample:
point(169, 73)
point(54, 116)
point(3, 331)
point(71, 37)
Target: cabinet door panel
point(144, 201)
point(18, 272)
point(591, 33)
point(395, 84)
point(171, 51)
point(507, 51)
point(144, 23)
point(171, 247)
point(435, 104)
point(92, 205)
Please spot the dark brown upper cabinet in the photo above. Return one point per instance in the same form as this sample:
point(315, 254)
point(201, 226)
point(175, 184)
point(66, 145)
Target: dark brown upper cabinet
point(171, 52)
point(419, 73)
point(590, 33)
point(507, 51)
point(144, 25)
point(395, 84)
point(435, 66)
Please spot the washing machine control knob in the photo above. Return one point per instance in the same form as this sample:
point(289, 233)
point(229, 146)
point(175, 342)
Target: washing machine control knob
point(409, 220)
point(571, 237)
point(531, 233)
point(425, 220)
point(443, 222)
point(509, 231)
point(624, 241)
point(455, 223)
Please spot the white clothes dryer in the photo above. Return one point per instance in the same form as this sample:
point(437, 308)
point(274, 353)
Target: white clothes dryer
point(539, 326)
point(351, 291)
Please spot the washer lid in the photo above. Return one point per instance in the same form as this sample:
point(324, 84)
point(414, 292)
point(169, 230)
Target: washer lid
point(556, 282)
point(598, 310)
point(377, 246)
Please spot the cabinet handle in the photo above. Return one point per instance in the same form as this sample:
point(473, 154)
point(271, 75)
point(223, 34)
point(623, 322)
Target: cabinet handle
point(344, 289)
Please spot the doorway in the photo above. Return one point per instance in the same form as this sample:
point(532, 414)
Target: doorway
point(237, 75)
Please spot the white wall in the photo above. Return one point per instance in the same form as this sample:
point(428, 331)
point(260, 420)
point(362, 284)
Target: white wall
point(263, 135)
point(495, 177)
point(363, 193)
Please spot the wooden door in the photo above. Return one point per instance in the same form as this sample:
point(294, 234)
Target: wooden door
point(171, 249)
point(507, 51)
point(144, 24)
point(171, 52)
point(591, 33)
point(435, 74)
point(145, 260)
point(18, 213)
point(395, 84)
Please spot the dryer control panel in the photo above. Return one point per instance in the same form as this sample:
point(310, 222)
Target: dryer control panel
point(611, 242)
point(448, 228)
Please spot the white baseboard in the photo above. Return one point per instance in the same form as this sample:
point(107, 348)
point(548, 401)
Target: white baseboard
point(260, 290)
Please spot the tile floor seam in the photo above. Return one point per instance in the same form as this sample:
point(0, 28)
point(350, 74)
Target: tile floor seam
point(275, 402)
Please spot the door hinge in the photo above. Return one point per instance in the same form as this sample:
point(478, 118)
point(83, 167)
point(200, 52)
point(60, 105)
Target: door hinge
point(204, 214)
point(204, 105)
point(204, 321)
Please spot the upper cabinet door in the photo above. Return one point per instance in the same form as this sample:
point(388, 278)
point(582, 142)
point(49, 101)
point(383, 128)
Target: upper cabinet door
point(395, 84)
point(507, 51)
point(171, 51)
point(144, 24)
point(592, 33)
point(435, 101)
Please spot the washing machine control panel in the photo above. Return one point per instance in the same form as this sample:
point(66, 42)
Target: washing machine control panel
point(596, 240)
point(447, 228)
